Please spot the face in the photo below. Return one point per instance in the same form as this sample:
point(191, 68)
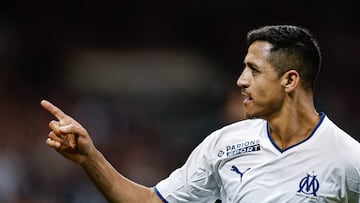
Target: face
point(260, 83)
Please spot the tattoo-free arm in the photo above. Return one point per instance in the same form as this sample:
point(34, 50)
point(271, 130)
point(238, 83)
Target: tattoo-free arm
point(71, 140)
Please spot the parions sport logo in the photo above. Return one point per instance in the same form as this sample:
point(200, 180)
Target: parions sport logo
point(243, 147)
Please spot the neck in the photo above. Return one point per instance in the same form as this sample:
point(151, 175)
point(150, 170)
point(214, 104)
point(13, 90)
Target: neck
point(293, 124)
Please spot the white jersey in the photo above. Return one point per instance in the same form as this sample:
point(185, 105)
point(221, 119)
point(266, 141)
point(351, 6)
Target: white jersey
point(240, 163)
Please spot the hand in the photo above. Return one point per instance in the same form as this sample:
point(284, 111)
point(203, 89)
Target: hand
point(67, 136)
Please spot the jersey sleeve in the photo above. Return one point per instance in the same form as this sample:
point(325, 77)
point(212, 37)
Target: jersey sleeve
point(353, 180)
point(194, 181)
point(351, 161)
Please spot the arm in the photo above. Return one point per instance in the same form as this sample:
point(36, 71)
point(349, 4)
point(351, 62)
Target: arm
point(71, 140)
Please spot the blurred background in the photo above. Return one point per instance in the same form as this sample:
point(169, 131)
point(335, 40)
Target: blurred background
point(148, 79)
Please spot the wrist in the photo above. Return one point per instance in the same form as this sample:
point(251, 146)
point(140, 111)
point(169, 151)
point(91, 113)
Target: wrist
point(90, 158)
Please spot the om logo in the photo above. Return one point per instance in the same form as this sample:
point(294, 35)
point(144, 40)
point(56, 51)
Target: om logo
point(309, 185)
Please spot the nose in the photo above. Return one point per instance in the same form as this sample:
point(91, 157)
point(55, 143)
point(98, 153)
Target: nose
point(243, 80)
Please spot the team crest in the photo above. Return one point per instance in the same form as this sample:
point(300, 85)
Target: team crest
point(309, 186)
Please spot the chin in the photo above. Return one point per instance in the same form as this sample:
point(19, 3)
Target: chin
point(252, 115)
point(249, 116)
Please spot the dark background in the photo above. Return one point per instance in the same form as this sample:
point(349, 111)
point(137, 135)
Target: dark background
point(148, 79)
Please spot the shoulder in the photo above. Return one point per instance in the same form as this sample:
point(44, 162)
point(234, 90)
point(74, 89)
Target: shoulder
point(340, 144)
point(244, 125)
point(228, 139)
point(236, 132)
point(342, 138)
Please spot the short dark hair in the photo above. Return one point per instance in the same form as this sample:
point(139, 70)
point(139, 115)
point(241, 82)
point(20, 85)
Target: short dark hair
point(294, 48)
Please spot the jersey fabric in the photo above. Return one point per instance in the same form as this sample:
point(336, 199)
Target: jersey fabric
point(241, 163)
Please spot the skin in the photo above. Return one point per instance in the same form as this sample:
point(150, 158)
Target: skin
point(281, 100)
point(114, 186)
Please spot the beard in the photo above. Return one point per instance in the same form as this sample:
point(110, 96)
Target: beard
point(260, 113)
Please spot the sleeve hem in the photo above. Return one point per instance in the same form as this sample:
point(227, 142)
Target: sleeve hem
point(159, 195)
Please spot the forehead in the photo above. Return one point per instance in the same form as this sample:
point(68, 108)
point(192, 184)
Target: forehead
point(258, 53)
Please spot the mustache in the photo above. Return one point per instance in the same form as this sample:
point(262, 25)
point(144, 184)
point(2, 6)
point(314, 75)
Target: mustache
point(243, 92)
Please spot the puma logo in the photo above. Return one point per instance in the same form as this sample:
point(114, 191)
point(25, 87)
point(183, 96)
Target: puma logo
point(236, 170)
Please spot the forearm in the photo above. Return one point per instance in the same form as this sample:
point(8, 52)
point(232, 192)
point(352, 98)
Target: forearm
point(114, 186)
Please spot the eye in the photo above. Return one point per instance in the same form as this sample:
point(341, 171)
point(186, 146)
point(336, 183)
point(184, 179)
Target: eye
point(254, 70)
point(250, 68)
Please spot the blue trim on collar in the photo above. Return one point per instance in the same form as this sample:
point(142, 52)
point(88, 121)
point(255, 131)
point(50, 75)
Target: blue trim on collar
point(323, 115)
point(159, 195)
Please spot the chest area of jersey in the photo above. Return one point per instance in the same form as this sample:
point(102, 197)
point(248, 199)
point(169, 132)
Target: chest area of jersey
point(258, 176)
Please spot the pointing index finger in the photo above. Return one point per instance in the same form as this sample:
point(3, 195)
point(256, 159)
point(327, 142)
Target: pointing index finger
point(58, 113)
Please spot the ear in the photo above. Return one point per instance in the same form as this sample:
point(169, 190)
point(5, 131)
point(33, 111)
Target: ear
point(290, 80)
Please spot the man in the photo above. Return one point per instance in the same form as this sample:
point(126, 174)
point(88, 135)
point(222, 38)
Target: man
point(284, 152)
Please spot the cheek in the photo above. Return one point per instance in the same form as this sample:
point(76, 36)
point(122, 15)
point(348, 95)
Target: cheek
point(269, 95)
